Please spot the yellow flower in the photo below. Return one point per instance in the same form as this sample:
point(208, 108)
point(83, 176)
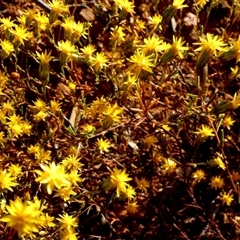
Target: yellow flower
point(72, 86)
point(7, 48)
point(199, 175)
point(235, 73)
point(178, 4)
point(153, 45)
point(88, 128)
point(69, 235)
point(228, 122)
point(7, 180)
point(8, 107)
point(47, 221)
point(219, 162)
point(67, 221)
point(177, 47)
point(211, 43)
point(14, 119)
point(15, 130)
point(98, 106)
point(80, 30)
point(42, 21)
point(103, 145)
point(155, 21)
point(44, 68)
point(72, 162)
point(236, 49)
point(55, 106)
point(3, 79)
point(135, 41)
point(26, 128)
point(132, 207)
point(57, 7)
point(217, 182)
point(20, 34)
point(226, 198)
point(125, 5)
point(130, 192)
point(74, 177)
point(235, 103)
point(39, 105)
point(73, 31)
point(130, 82)
point(68, 26)
point(209, 46)
point(88, 51)
point(2, 138)
point(233, 51)
point(3, 118)
point(22, 21)
point(175, 50)
point(72, 150)
point(29, 15)
point(65, 193)
point(205, 131)
point(7, 24)
point(99, 61)
point(34, 149)
point(169, 166)
point(141, 62)
point(44, 58)
point(166, 127)
point(40, 116)
point(117, 34)
point(172, 9)
point(142, 183)
point(111, 113)
point(38, 204)
point(15, 170)
point(201, 3)
point(119, 179)
point(140, 25)
point(67, 49)
point(42, 155)
point(53, 176)
point(22, 217)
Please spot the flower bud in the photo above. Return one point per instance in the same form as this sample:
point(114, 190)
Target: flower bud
point(203, 57)
point(169, 13)
point(44, 68)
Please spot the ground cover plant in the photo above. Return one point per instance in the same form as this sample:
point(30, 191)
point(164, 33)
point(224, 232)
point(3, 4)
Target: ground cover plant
point(119, 119)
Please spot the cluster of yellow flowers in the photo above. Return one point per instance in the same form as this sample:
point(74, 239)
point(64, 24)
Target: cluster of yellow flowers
point(49, 153)
point(27, 218)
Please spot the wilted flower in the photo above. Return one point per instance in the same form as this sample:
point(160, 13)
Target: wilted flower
point(217, 182)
